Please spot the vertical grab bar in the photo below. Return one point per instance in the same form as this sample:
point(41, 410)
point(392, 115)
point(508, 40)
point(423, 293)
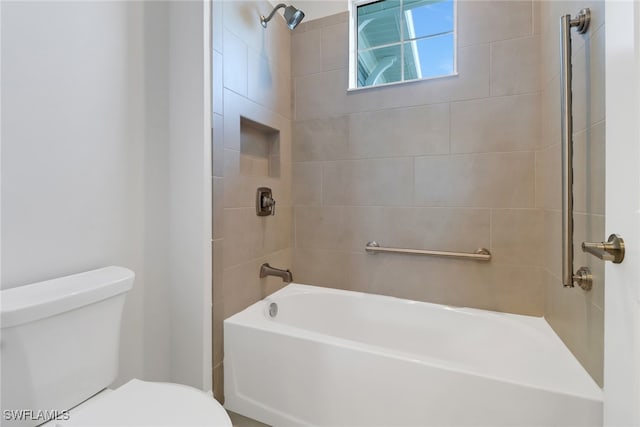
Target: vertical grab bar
point(567, 151)
point(583, 275)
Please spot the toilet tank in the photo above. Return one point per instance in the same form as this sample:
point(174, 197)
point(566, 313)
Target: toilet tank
point(59, 342)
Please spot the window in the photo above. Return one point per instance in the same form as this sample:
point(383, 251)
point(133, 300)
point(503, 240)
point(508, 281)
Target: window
point(396, 41)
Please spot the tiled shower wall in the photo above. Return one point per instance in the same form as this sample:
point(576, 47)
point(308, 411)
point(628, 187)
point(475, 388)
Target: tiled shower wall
point(251, 80)
point(577, 316)
point(452, 164)
point(445, 164)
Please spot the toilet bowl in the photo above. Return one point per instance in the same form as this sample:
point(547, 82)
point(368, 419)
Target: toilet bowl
point(59, 353)
point(142, 403)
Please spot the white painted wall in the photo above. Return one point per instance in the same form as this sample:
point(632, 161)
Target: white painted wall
point(622, 293)
point(316, 9)
point(190, 190)
point(157, 328)
point(72, 147)
point(105, 160)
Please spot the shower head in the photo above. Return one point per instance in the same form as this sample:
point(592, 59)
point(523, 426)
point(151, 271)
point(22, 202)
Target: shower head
point(292, 15)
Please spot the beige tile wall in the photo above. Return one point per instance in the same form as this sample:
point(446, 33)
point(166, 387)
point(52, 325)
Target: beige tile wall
point(443, 164)
point(577, 316)
point(452, 164)
point(251, 79)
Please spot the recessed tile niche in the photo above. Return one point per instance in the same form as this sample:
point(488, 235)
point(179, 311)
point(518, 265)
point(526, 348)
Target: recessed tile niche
point(259, 149)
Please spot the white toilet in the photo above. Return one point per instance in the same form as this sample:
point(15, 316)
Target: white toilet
point(59, 352)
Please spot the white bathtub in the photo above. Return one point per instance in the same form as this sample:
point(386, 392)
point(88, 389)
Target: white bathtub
point(339, 358)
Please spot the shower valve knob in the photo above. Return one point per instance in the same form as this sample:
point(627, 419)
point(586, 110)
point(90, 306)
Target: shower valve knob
point(269, 203)
point(265, 204)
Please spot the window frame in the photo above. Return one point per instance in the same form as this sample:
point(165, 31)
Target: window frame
point(353, 48)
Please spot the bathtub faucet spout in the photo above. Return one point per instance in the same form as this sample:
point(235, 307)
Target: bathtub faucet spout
point(267, 270)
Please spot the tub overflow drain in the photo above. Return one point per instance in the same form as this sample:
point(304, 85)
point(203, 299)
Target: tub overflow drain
point(273, 309)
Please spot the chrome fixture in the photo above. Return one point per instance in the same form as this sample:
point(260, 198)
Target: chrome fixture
point(583, 277)
point(292, 15)
point(267, 270)
point(265, 205)
point(481, 254)
point(612, 250)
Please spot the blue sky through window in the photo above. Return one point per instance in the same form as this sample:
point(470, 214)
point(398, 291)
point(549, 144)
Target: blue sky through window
point(430, 17)
point(435, 53)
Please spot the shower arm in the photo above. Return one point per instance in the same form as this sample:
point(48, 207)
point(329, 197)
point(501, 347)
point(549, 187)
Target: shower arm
point(264, 20)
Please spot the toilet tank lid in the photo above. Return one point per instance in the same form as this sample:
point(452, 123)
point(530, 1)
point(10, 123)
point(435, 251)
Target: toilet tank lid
point(28, 303)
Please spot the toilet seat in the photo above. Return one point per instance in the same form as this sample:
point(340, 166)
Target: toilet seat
point(142, 403)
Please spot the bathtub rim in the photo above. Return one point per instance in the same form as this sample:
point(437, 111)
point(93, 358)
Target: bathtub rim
point(255, 317)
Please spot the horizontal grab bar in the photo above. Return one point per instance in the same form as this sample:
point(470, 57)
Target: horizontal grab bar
point(481, 254)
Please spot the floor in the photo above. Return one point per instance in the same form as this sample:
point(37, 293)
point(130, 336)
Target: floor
point(240, 421)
